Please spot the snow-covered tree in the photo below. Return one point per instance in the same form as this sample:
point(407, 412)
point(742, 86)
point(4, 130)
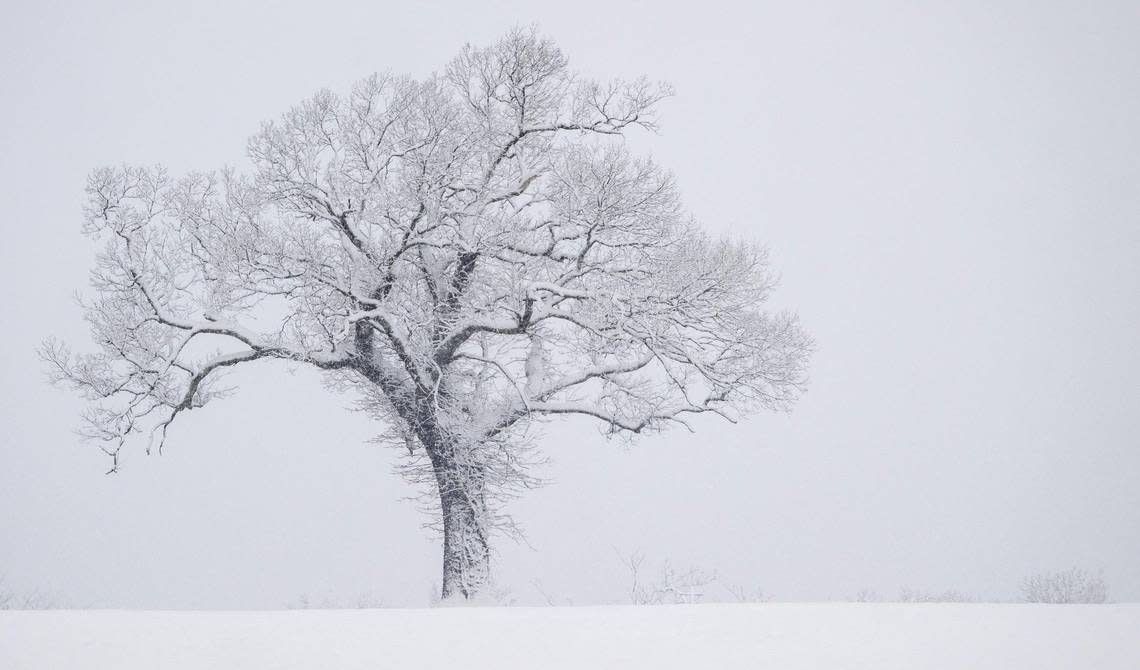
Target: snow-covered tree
point(473, 253)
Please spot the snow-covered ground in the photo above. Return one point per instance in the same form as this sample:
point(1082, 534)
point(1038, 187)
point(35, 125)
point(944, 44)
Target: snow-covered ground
point(785, 636)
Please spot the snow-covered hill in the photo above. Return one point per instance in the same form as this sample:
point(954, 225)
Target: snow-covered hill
point(785, 636)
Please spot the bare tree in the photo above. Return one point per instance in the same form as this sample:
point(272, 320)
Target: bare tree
point(472, 254)
point(1067, 586)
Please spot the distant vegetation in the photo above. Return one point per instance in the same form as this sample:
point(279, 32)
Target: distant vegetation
point(1067, 586)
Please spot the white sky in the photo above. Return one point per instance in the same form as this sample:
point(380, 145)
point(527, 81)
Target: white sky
point(951, 194)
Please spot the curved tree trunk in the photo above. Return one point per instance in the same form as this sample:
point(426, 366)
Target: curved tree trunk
point(466, 554)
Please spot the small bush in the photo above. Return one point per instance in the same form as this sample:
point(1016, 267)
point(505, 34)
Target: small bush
point(1067, 586)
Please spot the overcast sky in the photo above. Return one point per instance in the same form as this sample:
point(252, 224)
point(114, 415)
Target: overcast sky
point(950, 192)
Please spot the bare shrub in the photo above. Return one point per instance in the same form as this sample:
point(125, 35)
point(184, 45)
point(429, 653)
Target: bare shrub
point(865, 596)
point(668, 586)
point(908, 595)
point(363, 601)
point(34, 600)
point(742, 595)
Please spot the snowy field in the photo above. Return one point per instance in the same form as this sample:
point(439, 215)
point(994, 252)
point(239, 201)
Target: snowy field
point(785, 636)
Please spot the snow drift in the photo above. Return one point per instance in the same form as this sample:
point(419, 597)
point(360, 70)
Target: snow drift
point(785, 636)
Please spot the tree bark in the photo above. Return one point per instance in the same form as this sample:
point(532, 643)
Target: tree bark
point(466, 554)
